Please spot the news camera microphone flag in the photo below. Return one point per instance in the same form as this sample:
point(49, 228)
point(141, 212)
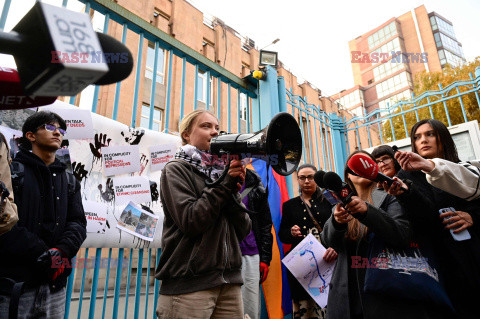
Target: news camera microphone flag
point(341, 190)
point(12, 96)
point(363, 166)
point(48, 29)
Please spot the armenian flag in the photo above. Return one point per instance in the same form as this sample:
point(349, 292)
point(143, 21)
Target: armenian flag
point(275, 288)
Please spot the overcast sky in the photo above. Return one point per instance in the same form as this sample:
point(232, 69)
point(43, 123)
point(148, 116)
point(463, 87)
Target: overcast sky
point(314, 34)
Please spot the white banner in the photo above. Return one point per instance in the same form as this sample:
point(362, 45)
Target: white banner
point(98, 188)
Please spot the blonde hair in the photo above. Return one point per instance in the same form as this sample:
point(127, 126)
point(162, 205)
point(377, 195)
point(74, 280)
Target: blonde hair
point(187, 122)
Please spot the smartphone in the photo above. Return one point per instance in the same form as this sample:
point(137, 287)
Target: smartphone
point(464, 234)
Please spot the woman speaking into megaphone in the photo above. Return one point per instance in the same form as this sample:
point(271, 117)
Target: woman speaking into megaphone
point(200, 264)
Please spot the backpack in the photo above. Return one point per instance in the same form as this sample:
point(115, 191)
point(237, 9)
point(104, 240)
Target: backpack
point(18, 177)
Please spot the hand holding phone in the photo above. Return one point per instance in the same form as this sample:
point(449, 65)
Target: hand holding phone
point(463, 235)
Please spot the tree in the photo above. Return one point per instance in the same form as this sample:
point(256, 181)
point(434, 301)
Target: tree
point(428, 82)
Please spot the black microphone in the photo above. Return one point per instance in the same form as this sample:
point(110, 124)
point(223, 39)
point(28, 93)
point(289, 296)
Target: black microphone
point(318, 178)
point(117, 70)
point(46, 29)
point(339, 189)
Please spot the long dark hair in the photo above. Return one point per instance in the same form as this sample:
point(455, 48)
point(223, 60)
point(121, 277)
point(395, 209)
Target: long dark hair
point(355, 229)
point(444, 139)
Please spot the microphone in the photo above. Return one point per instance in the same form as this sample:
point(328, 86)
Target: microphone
point(117, 70)
point(12, 96)
point(364, 166)
point(339, 189)
point(48, 29)
point(318, 178)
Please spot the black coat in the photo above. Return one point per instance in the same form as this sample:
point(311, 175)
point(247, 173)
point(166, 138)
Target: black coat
point(295, 213)
point(49, 216)
point(459, 260)
point(262, 220)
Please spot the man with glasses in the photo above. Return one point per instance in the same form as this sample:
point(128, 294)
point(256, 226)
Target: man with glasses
point(37, 252)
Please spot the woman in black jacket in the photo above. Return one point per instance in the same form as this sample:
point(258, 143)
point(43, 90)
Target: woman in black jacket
point(295, 225)
point(349, 232)
point(460, 260)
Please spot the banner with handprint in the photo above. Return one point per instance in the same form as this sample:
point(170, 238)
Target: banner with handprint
point(104, 193)
point(121, 159)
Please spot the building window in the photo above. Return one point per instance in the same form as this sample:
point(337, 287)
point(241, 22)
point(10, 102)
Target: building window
point(202, 87)
point(150, 63)
point(450, 44)
point(405, 95)
point(393, 84)
point(446, 57)
point(243, 106)
point(439, 24)
point(390, 46)
point(382, 35)
point(386, 69)
point(145, 117)
point(351, 99)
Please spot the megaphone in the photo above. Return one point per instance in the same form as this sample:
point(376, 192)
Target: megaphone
point(279, 144)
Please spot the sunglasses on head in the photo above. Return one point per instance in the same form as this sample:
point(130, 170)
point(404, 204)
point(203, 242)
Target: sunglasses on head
point(52, 128)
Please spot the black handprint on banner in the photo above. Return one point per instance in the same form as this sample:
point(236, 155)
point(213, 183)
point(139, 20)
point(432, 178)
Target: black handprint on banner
point(154, 191)
point(108, 195)
point(133, 136)
point(100, 141)
point(79, 171)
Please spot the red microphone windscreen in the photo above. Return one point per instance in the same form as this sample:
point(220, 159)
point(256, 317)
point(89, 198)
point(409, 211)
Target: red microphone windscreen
point(363, 165)
point(13, 97)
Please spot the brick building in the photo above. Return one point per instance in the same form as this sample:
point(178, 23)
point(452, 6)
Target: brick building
point(386, 59)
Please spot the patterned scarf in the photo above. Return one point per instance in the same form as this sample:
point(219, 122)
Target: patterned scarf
point(203, 161)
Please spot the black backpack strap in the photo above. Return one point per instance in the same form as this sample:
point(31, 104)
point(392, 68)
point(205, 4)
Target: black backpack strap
point(71, 183)
point(18, 174)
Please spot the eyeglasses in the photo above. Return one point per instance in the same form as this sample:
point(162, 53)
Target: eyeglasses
point(304, 178)
point(52, 128)
point(386, 161)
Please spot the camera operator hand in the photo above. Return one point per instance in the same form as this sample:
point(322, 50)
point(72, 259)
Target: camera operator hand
point(396, 188)
point(341, 215)
point(356, 205)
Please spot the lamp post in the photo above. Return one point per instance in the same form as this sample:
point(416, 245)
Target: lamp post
point(273, 42)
